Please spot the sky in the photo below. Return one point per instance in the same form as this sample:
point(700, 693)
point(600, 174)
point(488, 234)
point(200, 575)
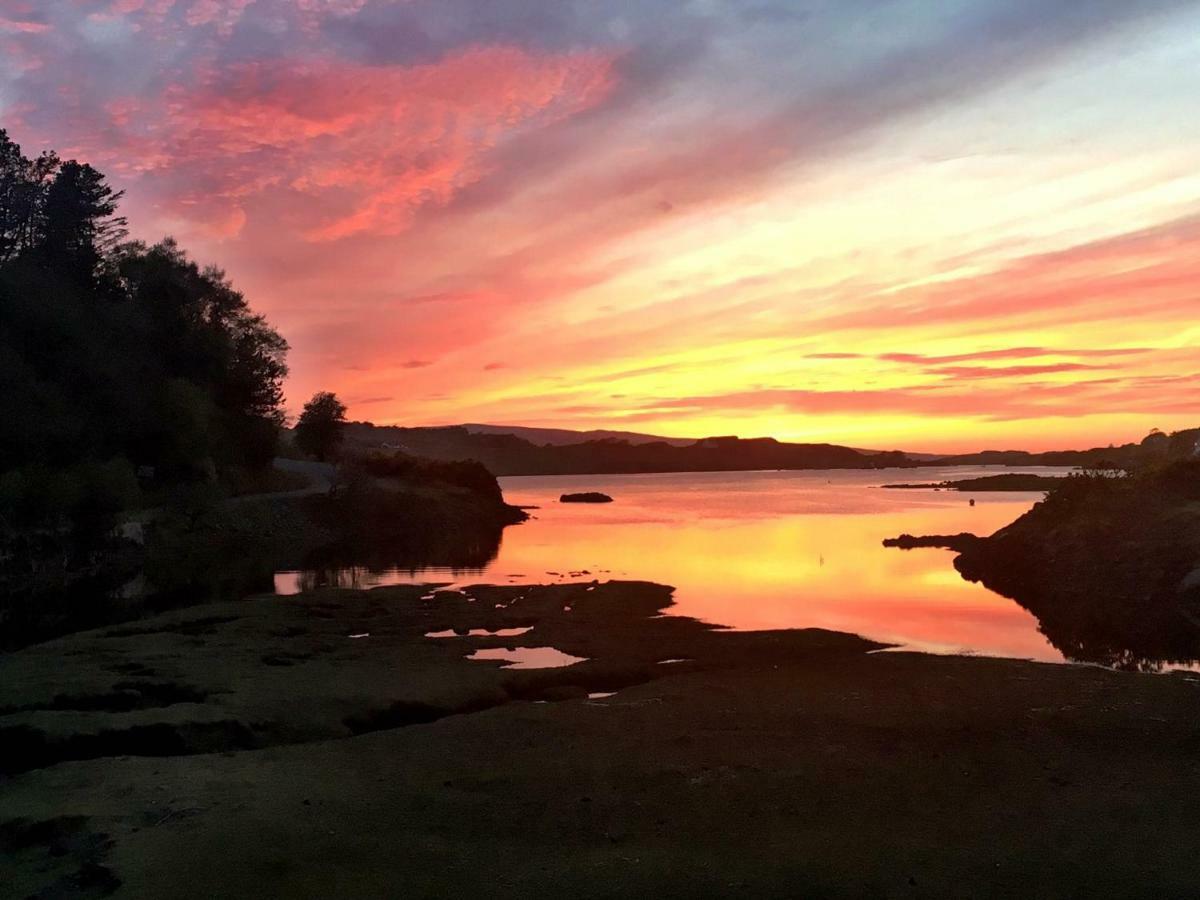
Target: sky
point(937, 225)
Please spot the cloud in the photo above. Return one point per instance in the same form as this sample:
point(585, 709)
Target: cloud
point(23, 26)
point(1144, 274)
point(1009, 353)
point(969, 373)
point(629, 193)
point(368, 401)
point(1033, 401)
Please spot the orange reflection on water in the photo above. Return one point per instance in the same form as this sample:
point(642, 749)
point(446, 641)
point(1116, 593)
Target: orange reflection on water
point(761, 550)
point(784, 550)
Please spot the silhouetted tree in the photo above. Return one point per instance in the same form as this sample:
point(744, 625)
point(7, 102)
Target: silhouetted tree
point(116, 358)
point(79, 226)
point(208, 335)
point(22, 195)
point(319, 429)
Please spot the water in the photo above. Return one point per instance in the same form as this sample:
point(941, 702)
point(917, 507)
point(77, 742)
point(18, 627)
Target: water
point(759, 550)
point(527, 657)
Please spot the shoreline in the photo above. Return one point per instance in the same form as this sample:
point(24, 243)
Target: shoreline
point(321, 744)
point(1107, 565)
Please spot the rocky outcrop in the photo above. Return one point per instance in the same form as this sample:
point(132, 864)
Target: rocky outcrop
point(1006, 482)
point(957, 542)
point(586, 497)
point(1107, 565)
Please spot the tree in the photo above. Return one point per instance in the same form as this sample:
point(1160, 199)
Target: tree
point(22, 196)
point(319, 429)
point(111, 350)
point(80, 227)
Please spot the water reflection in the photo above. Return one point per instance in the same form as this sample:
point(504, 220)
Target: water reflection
point(1106, 630)
point(184, 570)
point(757, 550)
point(527, 657)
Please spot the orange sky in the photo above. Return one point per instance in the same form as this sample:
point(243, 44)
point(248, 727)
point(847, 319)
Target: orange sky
point(936, 226)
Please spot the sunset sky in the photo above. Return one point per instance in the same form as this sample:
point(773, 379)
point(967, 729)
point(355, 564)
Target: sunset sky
point(934, 224)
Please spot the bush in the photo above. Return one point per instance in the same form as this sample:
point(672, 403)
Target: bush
point(468, 474)
point(86, 496)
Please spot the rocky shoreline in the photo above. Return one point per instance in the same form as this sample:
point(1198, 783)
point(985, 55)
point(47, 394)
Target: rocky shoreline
point(988, 483)
point(409, 513)
point(1110, 566)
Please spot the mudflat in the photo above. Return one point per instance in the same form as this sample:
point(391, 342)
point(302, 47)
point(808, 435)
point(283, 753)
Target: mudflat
point(324, 745)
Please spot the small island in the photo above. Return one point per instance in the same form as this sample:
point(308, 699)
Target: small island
point(1006, 482)
point(585, 497)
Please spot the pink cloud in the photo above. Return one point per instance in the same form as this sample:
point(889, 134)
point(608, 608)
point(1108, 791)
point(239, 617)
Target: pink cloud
point(999, 403)
point(1152, 271)
point(968, 373)
point(1010, 353)
point(355, 148)
point(23, 26)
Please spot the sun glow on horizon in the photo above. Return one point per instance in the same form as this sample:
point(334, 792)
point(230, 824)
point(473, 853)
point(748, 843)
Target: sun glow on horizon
point(967, 226)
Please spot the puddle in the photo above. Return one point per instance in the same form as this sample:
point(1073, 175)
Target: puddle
point(663, 662)
point(479, 632)
point(529, 657)
point(600, 695)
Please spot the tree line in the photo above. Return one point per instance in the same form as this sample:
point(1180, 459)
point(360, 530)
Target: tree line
point(124, 367)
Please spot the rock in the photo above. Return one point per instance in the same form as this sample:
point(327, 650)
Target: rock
point(586, 497)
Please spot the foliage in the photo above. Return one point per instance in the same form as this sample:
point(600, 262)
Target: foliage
point(467, 474)
point(319, 430)
point(116, 356)
point(1174, 480)
point(38, 496)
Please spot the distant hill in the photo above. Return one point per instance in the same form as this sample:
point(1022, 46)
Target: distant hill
point(559, 436)
point(516, 450)
point(507, 453)
point(1155, 447)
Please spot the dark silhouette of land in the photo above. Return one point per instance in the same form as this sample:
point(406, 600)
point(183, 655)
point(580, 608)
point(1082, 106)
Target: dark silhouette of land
point(529, 452)
point(988, 483)
point(508, 454)
point(133, 379)
point(542, 436)
point(585, 497)
point(958, 542)
point(1109, 565)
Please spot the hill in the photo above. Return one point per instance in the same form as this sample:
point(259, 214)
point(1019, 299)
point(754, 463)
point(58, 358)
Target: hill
point(560, 436)
point(517, 450)
point(511, 454)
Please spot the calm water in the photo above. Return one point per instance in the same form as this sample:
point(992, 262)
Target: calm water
point(759, 550)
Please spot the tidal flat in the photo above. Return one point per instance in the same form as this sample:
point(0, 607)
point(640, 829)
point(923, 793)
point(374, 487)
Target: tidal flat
point(323, 745)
